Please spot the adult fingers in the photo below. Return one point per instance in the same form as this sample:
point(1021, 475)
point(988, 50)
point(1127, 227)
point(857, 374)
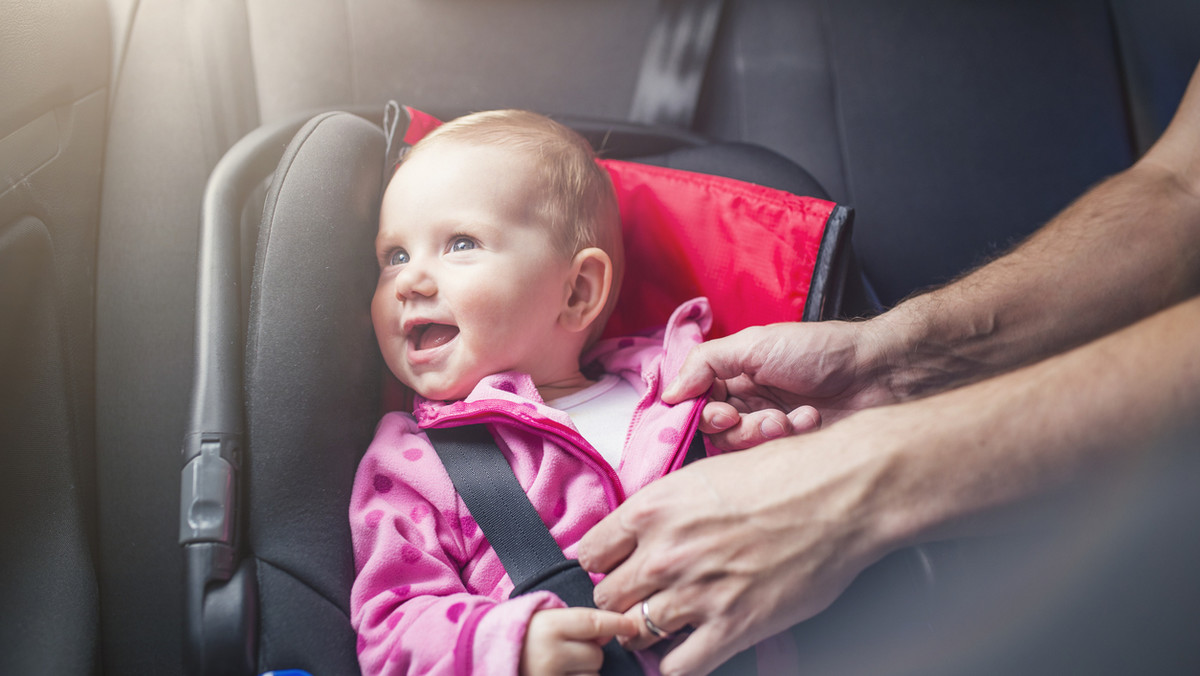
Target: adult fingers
point(693, 380)
point(722, 358)
point(648, 514)
point(752, 429)
point(653, 613)
point(702, 651)
point(719, 391)
point(607, 544)
point(805, 419)
point(718, 416)
point(625, 585)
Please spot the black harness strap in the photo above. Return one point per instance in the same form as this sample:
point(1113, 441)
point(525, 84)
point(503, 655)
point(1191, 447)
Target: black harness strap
point(497, 502)
point(514, 529)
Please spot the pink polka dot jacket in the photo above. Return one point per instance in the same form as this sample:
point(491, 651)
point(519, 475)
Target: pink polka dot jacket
point(431, 596)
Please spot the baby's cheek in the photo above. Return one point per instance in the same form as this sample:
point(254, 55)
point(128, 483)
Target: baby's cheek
point(380, 309)
point(383, 319)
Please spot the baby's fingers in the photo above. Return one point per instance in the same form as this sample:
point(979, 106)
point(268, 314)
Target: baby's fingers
point(599, 626)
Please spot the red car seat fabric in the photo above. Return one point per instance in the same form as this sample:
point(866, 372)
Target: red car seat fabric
point(750, 249)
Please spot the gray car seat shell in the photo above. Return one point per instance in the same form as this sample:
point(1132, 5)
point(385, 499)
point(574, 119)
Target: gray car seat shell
point(223, 625)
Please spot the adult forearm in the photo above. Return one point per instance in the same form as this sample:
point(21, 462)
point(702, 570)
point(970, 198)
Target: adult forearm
point(1125, 250)
point(963, 454)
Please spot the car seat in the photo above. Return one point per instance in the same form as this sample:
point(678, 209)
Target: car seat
point(289, 379)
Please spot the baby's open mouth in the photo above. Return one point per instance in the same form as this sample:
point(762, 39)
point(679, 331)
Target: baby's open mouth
point(429, 336)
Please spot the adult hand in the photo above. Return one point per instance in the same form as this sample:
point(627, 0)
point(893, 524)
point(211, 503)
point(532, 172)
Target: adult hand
point(740, 546)
point(569, 640)
point(770, 381)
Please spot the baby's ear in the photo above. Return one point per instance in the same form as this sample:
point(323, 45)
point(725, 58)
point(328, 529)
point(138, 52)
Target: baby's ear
point(589, 286)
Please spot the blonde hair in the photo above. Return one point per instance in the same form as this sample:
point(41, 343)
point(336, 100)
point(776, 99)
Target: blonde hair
point(578, 197)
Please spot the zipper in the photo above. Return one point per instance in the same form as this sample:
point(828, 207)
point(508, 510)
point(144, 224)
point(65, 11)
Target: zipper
point(640, 411)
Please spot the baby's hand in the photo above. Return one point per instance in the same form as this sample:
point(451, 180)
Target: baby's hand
point(569, 640)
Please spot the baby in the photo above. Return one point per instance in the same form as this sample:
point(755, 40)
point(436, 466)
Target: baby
point(500, 258)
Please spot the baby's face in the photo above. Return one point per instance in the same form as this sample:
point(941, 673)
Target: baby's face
point(470, 281)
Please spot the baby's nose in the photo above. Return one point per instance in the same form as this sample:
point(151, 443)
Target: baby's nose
point(415, 280)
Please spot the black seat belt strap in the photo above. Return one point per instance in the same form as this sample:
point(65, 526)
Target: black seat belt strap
point(502, 510)
point(496, 500)
point(676, 58)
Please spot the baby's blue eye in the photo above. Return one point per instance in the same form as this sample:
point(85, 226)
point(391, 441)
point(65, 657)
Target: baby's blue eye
point(462, 244)
point(398, 257)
